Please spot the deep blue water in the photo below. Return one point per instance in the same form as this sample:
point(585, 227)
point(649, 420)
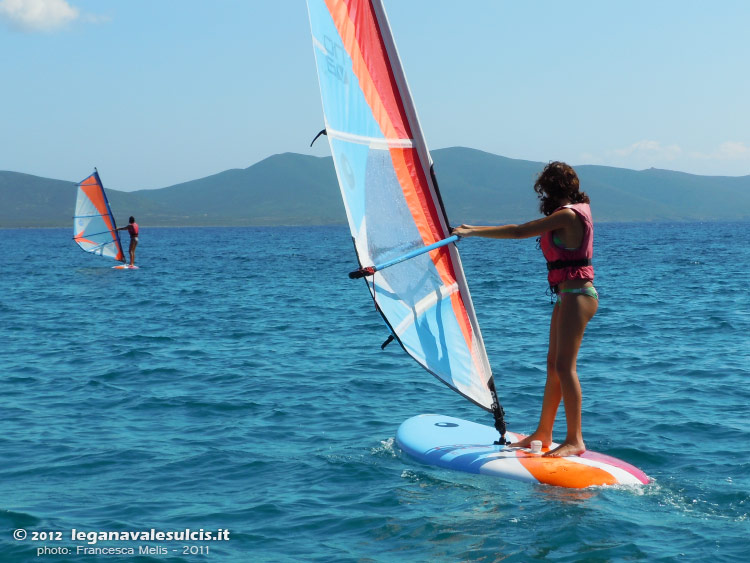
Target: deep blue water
point(236, 382)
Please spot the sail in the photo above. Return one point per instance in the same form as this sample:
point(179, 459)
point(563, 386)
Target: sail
point(94, 228)
point(391, 197)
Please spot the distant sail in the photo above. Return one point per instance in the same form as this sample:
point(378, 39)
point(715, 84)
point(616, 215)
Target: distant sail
point(392, 201)
point(94, 228)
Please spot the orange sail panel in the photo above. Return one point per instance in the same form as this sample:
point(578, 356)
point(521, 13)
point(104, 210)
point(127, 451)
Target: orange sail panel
point(94, 228)
point(392, 201)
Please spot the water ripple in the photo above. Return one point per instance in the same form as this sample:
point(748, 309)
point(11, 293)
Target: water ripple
point(231, 392)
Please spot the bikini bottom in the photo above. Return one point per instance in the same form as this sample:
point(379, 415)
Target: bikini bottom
point(590, 291)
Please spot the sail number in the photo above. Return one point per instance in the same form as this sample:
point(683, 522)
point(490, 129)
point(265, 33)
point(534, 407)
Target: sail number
point(335, 60)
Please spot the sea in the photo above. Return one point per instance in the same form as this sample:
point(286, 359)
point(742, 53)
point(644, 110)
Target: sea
point(229, 401)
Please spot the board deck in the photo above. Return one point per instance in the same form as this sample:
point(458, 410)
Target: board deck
point(124, 267)
point(462, 445)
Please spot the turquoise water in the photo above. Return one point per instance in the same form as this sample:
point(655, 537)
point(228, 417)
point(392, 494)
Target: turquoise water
point(235, 382)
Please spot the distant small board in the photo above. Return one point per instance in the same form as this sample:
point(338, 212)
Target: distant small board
point(462, 445)
point(125, 267)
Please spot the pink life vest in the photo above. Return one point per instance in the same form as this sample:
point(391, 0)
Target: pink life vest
point(564, 264)
point(133, 229)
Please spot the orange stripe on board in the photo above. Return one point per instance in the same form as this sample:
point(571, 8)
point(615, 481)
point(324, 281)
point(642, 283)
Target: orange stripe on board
point(564, 472)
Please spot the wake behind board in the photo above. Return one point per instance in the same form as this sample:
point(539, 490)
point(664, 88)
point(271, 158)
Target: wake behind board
point(458, 444)
point(124, 267)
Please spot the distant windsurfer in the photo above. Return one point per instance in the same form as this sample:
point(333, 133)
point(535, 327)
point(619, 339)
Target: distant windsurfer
point(132, 228)
point(567, 237)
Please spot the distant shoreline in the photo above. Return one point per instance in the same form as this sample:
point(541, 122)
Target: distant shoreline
point(343, 225)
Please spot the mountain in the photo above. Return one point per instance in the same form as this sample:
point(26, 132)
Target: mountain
point(30, 201)
point(284, 189)
point(478, 186)
point(295, 189)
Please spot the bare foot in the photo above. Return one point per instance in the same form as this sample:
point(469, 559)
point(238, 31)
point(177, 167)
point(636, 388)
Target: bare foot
point(526, 442)
point(566, 449)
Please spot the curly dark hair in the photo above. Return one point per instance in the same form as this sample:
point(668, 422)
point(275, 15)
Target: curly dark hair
point(557, 182)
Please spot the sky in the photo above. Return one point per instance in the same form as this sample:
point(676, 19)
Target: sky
point(158, 92)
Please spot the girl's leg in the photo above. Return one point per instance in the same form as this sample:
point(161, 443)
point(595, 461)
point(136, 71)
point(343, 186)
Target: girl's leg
point(575, 313)
point(131, 251)
point(552, 390)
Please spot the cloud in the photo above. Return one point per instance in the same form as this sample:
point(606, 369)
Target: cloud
point(650, 149)
point(38, 15)
point(729, 157)
point(729, 150)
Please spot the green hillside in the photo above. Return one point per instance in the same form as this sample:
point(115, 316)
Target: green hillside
point(295, 189)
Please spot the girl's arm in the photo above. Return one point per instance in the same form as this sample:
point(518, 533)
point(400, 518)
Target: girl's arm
point(558, 220)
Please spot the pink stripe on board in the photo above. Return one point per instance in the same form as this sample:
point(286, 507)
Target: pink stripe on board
point(604, 458)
